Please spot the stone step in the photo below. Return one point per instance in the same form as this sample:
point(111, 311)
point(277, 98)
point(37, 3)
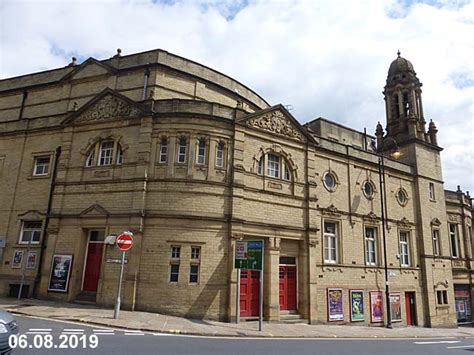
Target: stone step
point(86, 297)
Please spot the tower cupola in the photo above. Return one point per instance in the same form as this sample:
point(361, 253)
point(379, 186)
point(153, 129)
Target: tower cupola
point(403, 103)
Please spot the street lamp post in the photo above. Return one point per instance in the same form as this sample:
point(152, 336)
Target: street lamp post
point(383, 206)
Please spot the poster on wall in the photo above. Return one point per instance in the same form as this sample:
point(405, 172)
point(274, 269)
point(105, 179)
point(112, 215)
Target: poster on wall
point(335, 305)
point(395, 307)
point(31, 260)
point(17, 259)
point(357, 305)
point(60, 272)
point(376, 307)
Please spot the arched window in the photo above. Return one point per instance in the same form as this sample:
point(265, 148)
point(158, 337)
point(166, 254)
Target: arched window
point(276, 167)
point(220, 155)
point(163, 150)
point(201, 152)
point(182, 150)
point(105, 152)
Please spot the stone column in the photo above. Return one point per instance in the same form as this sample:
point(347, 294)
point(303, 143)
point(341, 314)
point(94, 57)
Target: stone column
point(271, 290)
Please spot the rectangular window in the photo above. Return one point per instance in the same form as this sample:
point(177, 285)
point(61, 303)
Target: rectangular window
point(404, 248)
point(432, 191)
point(201, 156)
point(96, 235)
point(273, 166)
point(31, 231)
point(370, 246)
point(194, 273)
point(330, 242)
point(195, 253)
point(442, 297)
point(453, 236)
point(174, 272)
point(436, 247)
point(220, 155)
point(41, 166)
point(106, 152)
point(175, 252)
point(182, 150)
point(163, 150)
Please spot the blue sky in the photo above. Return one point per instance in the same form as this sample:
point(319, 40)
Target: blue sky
point(324, 57)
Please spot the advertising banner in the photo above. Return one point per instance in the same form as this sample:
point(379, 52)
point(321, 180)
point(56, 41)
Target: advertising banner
point(395, 307)
point(357, 305)
point(335, 305)
point(376, 306)
point(60, 273)
point(31, 260)
point(17, 259)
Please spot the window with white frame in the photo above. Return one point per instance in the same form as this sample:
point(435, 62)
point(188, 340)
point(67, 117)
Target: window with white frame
point(174, 263)
point(370, 246)
point(163, 150)
point(436, 245)
point(182, 150)
point(106, 152)
point(453, 237)
point(404, 242)
point(330, 242)
point(41, 167)
point(220, 155)
point(30, 232)
point(201, 152)
point(194, 266)
point(273, 166)
point(195, 253)
point(432, 191)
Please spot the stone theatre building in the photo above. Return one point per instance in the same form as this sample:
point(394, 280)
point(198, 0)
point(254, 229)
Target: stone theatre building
point(190, 160)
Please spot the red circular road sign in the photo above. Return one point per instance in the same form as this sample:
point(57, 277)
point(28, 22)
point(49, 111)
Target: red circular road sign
point(125, 241)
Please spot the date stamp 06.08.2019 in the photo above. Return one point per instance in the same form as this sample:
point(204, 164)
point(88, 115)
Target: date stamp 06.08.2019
point(48, 341)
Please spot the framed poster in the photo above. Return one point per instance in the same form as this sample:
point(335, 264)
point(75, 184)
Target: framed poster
point(60, 273)
point(357, 305)
point(31, 260)
point(17, 259)
point(395, 307)
point(376, 306)
point(335, 305)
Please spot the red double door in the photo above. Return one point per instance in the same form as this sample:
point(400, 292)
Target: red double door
point(287, 287)
point(249, 292)
point(92, 269)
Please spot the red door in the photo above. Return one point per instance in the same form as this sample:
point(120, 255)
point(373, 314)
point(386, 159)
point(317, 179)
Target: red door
point(92, 271)
point(410, 307)
point(249, 291)
point(288, 288)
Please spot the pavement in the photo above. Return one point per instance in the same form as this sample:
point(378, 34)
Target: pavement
point(154, 322)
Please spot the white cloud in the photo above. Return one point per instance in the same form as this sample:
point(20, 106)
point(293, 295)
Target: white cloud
point(326, 58)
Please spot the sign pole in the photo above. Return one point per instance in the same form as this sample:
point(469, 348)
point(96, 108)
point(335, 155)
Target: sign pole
point(23, 268)
point(237, 300)
point(117, 303)
point(260, 318)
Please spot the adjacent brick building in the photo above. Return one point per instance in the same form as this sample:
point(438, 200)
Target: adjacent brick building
point(190, 160)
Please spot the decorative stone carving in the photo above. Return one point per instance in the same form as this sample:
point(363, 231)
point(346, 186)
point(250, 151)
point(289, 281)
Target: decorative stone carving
point(435, 222)
point(371, 216)
point(453, 218)
point(277, 123)
point(404, 222)
point(108, 107)
point(332, 211)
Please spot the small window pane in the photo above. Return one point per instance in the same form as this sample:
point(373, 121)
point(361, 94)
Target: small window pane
point(90, 158)
point(97, 235)
point(175, 252)
point(220, 155)
point(182, 150)
point(174, 273)
point(194, 273)
point(195, 253)
point(201, 158)
point(368, 189)
point(106, 151)
point(163, 150)
point(31, 232)
point(41, 166)
point(273, 166)
point(329, 181)
point(119, 156)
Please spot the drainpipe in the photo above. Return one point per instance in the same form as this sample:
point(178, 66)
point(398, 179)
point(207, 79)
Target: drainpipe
point(23, 101)
point(145, 82)
point(46, 222)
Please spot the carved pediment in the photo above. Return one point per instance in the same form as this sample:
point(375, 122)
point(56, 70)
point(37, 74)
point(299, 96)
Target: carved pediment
point(108, 105)
point(404, 222)
point(371, 216)
point(95, 210)
point(332, 211)
point(277, 121)
point(32, 215)
point(435, 222)
point(454, 217)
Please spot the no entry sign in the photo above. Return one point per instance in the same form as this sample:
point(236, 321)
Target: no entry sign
point(125, 241)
